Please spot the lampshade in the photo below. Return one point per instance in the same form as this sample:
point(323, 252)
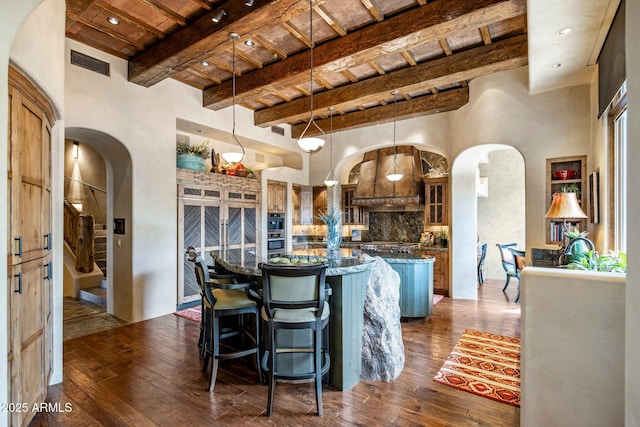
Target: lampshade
point(565, 206)
point(311, 144)
point(331, 179)
point(392, 174)
point(231, 155)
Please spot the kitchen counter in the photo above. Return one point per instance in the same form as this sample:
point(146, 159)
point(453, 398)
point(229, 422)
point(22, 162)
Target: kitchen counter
point(348, 278)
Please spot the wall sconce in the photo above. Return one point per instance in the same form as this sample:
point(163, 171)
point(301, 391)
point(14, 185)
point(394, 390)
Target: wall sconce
point(76, 146)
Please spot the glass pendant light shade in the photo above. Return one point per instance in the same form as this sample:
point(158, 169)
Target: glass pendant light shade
point(312, 143)
point(392, 174)
point(233, 155)
point(331, 179)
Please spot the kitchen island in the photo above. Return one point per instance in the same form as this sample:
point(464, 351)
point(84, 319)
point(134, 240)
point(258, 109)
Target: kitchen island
point(348, 278)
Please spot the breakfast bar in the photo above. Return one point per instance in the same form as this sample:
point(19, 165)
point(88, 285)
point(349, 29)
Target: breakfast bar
point(348, 278)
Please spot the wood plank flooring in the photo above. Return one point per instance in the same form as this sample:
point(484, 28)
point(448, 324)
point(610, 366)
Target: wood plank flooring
point(148, 373)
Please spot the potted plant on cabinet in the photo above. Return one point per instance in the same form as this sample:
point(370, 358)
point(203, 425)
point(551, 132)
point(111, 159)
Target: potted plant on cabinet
point(192, 156)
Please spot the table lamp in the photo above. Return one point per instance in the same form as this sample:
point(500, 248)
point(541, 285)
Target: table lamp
point(565, 206)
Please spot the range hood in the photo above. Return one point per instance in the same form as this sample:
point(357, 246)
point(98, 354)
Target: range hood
point(374, 189)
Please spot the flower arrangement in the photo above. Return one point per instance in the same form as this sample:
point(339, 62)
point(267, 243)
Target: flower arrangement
point(200, 149)
point(331, 218)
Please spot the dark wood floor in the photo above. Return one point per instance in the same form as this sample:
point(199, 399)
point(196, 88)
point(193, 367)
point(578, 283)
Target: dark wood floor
point(148, 373)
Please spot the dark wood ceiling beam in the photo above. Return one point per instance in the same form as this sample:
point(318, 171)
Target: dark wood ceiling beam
point(203, 4)
point(466, 65)
point(185, 47)
point(422, 106)
point(417, 26)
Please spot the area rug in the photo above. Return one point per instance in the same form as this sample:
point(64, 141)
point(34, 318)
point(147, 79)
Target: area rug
point(437, 298)
point(192, 313)
point(485, 364)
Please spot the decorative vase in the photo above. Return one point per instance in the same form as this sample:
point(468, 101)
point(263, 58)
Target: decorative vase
point(333, 241)
point(187, 161)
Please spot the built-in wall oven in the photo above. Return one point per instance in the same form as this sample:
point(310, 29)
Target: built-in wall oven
point(275, 234)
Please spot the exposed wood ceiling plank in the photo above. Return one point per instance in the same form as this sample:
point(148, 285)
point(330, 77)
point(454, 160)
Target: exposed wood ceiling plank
point(409, 58)
point(203, 4)
point(505, 54)
point(135, 21)
point(373, 9)
point(486, 36)
point(445, 47)
point(296, 33)
point(414, 27)
point(422, 106)
point(251, 60)
point(161, 8)
point(171, 55)
point(102, 28)
point(330, 20)
point(101, 47)
point(270, 46)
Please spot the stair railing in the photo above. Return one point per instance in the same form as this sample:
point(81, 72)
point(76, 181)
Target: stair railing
point(78, 233)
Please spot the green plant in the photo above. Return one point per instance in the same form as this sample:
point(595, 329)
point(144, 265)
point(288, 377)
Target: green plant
point(570, 188)
point(443, 234)
point(200, 149)
point(592, 261)
point(575, 233)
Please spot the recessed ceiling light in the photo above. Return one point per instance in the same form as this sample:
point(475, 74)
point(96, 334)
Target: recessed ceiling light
point(556, 65)
point(113, 20)
point(249, 43)
point(563, 31)
point(204, 63)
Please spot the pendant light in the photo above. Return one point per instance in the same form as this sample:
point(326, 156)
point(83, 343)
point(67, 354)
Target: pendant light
point(232, 156)
point(311, 144)
point(392, 174)
point(331, 179)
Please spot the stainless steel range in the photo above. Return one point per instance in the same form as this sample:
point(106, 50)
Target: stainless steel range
point(389, 247)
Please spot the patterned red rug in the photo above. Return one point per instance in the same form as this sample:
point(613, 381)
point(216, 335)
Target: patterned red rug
point(192, 313)
point(484, 364)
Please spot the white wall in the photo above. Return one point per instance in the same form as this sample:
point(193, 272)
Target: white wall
point(501, 215)
point(632, 320)
point(572, 358)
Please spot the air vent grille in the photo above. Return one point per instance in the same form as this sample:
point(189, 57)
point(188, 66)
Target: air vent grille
point(90, 63)
point(277, 129)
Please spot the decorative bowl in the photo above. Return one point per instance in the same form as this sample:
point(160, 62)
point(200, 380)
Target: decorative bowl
point(564, 174)
point(242, 173)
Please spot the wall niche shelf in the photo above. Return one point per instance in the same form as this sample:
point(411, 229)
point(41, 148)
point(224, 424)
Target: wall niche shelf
point(575, 181)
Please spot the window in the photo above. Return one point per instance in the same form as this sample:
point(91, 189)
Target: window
point(618, 173)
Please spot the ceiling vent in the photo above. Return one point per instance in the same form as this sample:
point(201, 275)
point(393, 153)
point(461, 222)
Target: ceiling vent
point(277, 129)
point(90, 63)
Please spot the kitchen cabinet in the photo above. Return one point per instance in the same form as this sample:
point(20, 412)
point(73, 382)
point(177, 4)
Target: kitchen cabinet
point(352, 214)
point(302, 201)
point(319, 203)
point(575, 180)
point(216, 213)
point(28, 291)
point(440, 269)
point(276, 196)
point(416, 286)
point(435, 212)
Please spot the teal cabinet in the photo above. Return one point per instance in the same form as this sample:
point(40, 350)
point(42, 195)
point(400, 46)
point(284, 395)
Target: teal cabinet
point(416, 285)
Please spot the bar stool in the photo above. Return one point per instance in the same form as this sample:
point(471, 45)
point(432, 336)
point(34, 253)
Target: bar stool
point(221, 300)
point(294, 298)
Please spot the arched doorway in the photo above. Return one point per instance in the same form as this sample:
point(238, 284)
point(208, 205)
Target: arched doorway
point(507, 188)
point(119, 206)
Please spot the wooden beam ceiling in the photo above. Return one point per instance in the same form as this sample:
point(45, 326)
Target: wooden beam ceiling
point(434, 21)
point(463, 66)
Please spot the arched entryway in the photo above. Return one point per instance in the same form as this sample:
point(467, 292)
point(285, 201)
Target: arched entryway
point(119, 206)
point(508, 166)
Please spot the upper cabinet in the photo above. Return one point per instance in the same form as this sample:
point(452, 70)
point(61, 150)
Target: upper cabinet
point(352, 214)
point(276, 197)
point(566, 174)
point(319, 203)
point(435, 212)
point(302, 201)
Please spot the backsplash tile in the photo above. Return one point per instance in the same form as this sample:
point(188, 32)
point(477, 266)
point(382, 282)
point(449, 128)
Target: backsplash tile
point(394, 226)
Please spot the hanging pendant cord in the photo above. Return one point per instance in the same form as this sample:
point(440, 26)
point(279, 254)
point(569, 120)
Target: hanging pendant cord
point(331, 141)
point(311, 53)
point(233, 87)
point(395, 94)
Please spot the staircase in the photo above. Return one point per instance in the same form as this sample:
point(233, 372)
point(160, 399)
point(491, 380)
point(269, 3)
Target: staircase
point(96, 295)
point(100, 247)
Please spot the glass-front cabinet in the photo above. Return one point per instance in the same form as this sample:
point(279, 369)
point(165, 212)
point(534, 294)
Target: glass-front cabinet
point(435, 212)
